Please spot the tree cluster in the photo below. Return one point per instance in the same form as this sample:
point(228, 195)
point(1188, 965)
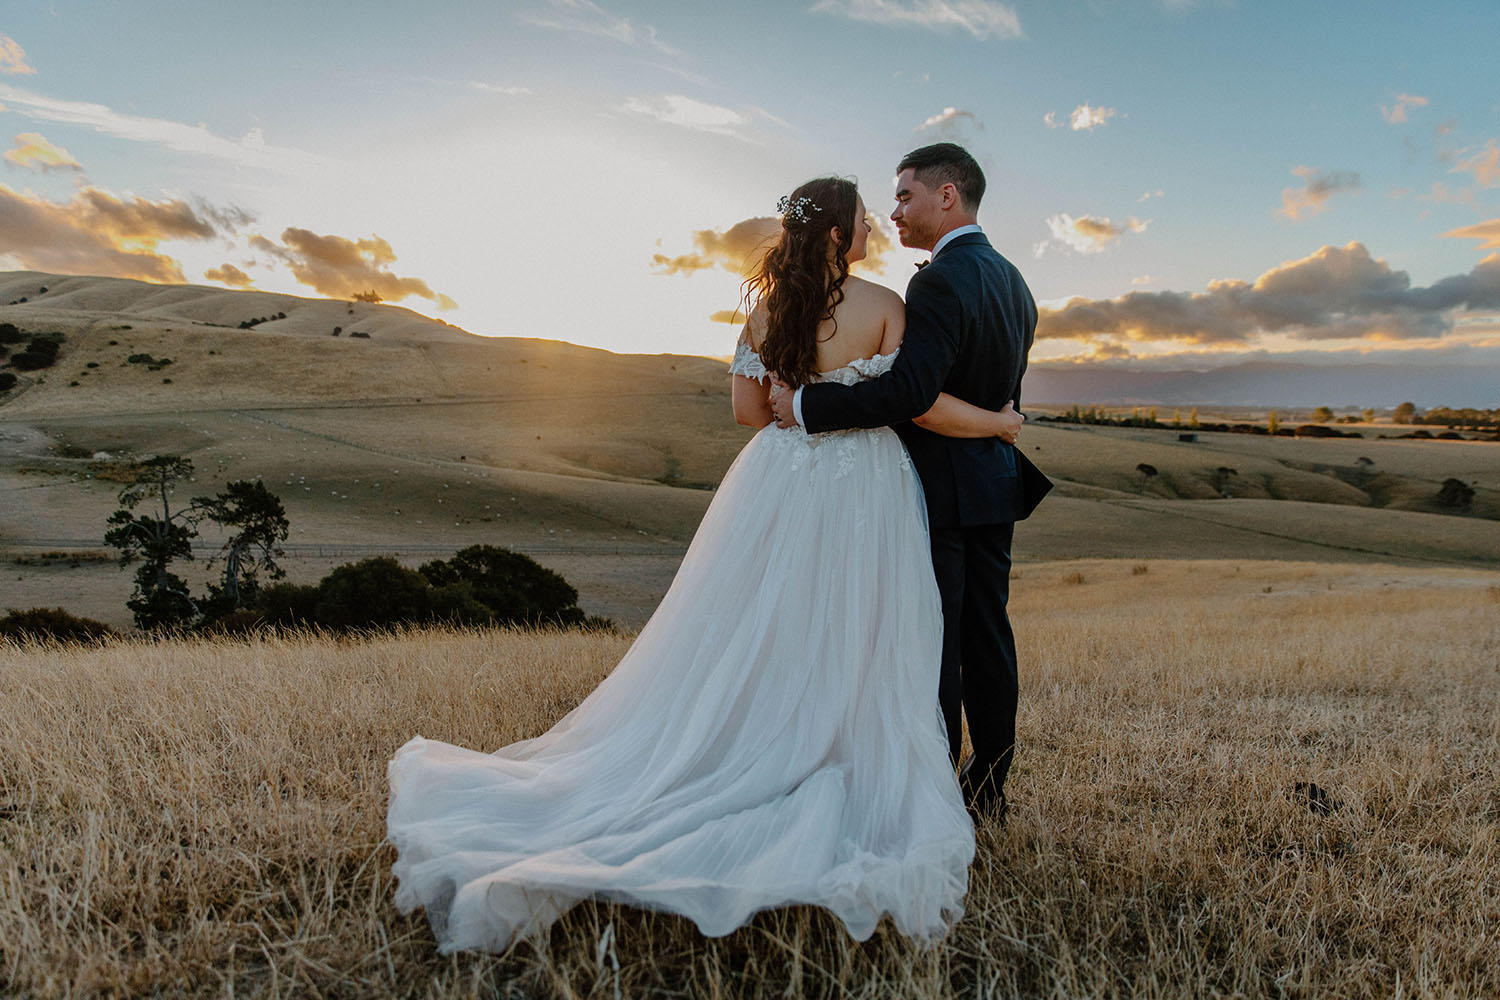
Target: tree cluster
point(482, 585)
point(246, 324)
point(40, 351)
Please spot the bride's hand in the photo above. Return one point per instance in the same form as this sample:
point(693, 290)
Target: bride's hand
point(1009, 423)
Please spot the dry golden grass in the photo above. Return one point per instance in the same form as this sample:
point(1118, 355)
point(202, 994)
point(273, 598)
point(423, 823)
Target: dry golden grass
point(205, 818)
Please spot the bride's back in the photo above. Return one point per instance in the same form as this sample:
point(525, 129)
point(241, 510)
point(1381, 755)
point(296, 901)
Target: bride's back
point(867, 322)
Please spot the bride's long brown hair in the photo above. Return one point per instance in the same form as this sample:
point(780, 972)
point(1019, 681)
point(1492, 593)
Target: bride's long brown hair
point(797, 283)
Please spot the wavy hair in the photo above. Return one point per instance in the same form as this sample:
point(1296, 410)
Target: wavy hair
point(796, 281)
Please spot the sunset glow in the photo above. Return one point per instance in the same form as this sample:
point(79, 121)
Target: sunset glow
point(1182, 183)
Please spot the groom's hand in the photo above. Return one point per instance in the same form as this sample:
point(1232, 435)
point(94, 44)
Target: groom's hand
point(781, 403)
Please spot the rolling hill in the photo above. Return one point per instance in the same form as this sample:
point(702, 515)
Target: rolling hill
point(420, 438)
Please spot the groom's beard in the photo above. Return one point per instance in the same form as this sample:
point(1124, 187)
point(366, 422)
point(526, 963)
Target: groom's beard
point(913, 240)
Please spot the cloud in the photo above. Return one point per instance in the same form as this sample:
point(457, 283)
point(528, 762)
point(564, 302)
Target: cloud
point(13, 57)
point(1442, 194)
point(946, 119)
point(34, 152)
point(981, 18)
point(1158, 193)
point(1484, 165)
point(1336, 293)
point(1144, 279)
point(228, 274)
point(685, 112)
point(880, 242)
point(1488, 232)
point(738, 249)
point(249, 150)
point(342, 268)
point(731, 316)
point(1085, 119)
point(583, 17)
point(1081, 119)
point(1319, 186)
point(98, 233)
point(1396, 113)
point(494, 88)
point(1087, 234)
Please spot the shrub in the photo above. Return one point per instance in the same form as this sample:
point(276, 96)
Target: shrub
point(30, 361)
point(53, 624)
point(455, 604)
point(1456, 494)
point(7, 381)
point(373, 593)
point(288, 603)
point(41, 352)
point(514, 587)
point(11, 334)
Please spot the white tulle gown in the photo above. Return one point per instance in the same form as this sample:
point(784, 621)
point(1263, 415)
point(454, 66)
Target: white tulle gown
point(772, 737)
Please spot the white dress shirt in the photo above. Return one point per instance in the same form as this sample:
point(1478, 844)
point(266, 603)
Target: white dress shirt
point(947, 238)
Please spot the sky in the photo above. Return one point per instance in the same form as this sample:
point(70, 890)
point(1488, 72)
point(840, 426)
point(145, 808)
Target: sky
point(1183, 184)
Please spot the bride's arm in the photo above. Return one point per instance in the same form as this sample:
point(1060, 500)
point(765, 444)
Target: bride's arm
point(752, 401)
point(952, 417)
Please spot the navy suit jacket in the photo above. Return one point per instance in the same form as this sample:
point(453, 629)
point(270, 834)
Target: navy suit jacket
point(970, 321)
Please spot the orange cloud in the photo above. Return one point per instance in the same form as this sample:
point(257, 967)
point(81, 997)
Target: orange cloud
point(731, 316)
point(228, 274)
point(1488, 232)
point(343, 268)
point(1087, 234)
point(13, 57)
point(1312, 197)
point(1484, 165)
point(1336, 293)
point(98, 233)
point(1396, 113)
point(34, 152)
point(739, 248)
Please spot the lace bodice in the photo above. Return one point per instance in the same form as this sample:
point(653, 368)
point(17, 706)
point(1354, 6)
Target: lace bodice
point(748, 363)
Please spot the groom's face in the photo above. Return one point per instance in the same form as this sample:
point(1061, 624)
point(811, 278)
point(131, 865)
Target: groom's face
point(918, 214)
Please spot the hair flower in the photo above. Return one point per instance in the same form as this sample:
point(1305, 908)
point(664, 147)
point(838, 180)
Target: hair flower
point(796, 209)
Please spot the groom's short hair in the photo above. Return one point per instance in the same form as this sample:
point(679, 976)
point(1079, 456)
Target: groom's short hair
point(947, 163)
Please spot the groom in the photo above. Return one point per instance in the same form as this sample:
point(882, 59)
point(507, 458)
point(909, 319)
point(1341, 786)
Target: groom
point(969, 323)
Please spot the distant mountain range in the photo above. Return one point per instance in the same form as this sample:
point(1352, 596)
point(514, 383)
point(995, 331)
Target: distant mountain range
point(1269, 384)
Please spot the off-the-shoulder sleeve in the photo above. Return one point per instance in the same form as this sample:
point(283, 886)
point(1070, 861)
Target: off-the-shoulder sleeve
point(876, 365)
point(747, 363)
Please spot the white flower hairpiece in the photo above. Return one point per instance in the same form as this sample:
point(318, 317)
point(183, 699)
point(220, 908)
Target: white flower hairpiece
point(796, 209)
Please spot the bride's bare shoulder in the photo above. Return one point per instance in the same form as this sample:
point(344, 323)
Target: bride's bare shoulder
point(870, 296)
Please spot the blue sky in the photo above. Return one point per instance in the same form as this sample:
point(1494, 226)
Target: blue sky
point(1180, 182)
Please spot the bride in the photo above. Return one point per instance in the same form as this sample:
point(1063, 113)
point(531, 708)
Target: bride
point(773, 736)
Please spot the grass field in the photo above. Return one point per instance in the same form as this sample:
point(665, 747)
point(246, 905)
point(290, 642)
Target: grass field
point(205, 818)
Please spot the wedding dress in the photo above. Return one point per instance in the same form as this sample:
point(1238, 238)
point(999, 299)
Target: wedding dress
point(771, 738)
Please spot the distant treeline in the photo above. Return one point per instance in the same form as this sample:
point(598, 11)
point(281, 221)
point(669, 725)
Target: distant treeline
point(1465, 419)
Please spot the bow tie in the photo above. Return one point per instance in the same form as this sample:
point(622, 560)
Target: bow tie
point(922, 263)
